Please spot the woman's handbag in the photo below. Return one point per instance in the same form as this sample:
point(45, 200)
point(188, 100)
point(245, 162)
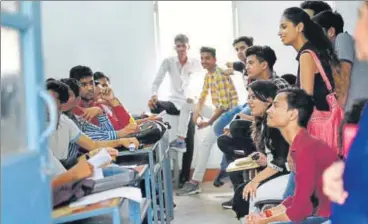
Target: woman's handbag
point(325, 125)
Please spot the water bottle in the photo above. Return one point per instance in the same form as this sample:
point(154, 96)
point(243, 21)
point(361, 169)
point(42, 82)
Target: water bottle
point(131, 147)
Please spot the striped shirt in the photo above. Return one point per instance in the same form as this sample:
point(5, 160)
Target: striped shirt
point(104, 132)
point(222, 90)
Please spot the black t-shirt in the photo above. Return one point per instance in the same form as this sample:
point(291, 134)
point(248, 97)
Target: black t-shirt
point(320, 89)
point(240, 67)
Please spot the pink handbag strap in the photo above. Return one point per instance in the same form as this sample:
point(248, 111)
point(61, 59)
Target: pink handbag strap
point(320, 69)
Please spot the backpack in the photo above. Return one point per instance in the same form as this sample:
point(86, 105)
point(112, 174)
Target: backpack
point(115, 177)
point(150, 132)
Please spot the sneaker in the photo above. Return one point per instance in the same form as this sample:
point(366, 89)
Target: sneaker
point(189, 189)
point(178, 144)
point(227, 204)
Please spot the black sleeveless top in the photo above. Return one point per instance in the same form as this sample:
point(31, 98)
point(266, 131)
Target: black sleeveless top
point(320, 89)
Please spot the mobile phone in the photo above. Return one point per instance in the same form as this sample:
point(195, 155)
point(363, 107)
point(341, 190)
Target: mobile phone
point(255, 156)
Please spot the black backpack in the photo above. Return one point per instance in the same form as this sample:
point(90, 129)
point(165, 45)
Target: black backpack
point(150, 132)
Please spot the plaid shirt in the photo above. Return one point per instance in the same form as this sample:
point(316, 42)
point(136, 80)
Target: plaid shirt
point(222, 89)
point(280, 83)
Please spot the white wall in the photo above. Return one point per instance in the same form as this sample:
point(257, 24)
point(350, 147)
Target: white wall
point(349, 12)
point(260, 19)
point(116, 38)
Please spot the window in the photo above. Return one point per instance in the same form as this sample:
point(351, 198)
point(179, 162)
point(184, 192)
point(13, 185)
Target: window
point(205, 23)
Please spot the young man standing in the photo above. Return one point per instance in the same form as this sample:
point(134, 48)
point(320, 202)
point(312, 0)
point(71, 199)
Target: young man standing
point(224, 98)
point(260, 62)
point(290, 113)
point(180, 69)
point(353, 71)
point(240, 44)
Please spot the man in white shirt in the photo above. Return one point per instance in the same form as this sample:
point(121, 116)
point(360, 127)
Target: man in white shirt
point(179, 68)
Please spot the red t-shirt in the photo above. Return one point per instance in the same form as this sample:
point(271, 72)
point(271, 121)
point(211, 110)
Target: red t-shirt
point(118, 116)
point(311, 157)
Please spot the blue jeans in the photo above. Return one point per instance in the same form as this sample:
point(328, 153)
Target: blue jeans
point(309, 220)
point(226, 118)
point(111, 171)
point(290, 187)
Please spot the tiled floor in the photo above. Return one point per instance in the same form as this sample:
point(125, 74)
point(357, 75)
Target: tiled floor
point(205, 208)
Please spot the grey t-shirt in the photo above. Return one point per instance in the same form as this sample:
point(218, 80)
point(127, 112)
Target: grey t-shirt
point(345, 48)
point(56, 166)
point(66, 132)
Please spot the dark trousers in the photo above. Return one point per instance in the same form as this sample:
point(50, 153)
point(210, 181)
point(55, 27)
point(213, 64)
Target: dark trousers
point(239, 139)
point(189, 140)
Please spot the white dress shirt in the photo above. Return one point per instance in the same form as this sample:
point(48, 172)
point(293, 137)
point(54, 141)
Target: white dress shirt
point(179, 77)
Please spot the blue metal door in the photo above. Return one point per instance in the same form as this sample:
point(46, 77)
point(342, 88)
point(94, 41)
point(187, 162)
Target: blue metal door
point(25, 183)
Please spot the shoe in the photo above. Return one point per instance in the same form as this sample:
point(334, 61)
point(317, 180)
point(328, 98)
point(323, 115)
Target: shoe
point(218, 180)
point(227, 204)
point(179, 144)
point(181, 184)
point(189, 189)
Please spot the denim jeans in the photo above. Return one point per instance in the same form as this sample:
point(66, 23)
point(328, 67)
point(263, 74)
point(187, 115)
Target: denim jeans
point(309, 220)
point(226, 118)
point(111, 171)
point(290, 187)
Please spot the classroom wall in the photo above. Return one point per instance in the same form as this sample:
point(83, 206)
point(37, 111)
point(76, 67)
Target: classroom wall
point(349, 11)
point(115, 37)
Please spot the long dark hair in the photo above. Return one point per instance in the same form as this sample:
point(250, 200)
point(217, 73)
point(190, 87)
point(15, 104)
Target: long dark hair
point(314, 34)
point(262, 90)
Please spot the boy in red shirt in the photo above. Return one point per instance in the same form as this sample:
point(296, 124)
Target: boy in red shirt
point(89, 109)
point(290, 113)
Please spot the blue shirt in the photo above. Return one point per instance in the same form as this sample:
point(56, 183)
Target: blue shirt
point(355, 208)
point(104, 132)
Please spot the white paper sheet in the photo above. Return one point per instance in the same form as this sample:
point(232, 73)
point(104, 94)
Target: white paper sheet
point(101, 158)
point(131, 193)
point(97, 174)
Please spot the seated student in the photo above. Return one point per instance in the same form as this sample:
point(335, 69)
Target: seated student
point(81, 170)
point(224, 98)
point(103, 132)
point(290, 113)
point(260, 62)
point(89, 109)
point(271, 147)
point(67, 131)
point(102, 86)
point(353, 71)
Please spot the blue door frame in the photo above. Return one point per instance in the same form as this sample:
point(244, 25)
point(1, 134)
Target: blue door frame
point(25, 183)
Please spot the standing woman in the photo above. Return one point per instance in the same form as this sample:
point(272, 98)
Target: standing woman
point(300, 32)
